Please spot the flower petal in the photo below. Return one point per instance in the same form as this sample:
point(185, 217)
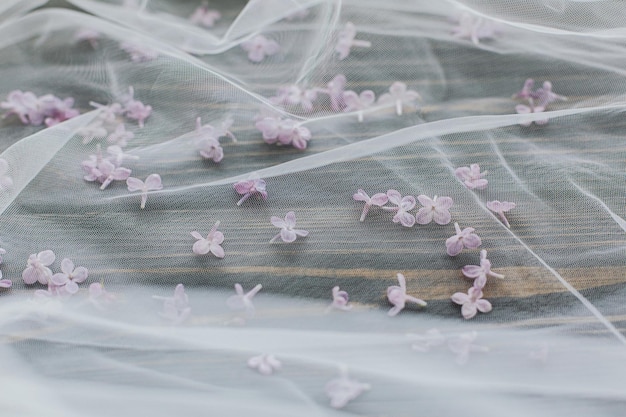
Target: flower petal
point(442, 216)
point(287, 235)
point(425, 200)
point(379, 199)
point(201, 247)
point(59, 279)
point(80, 274)
point(468, 310)
point(454, 245)
point(67, 266)
point(217, 250)
point(483, 306)
point(197, 235)
point(290, 219)
point(46, 257)
point(153, 182)
point(424, 215)
point(278, 222)
point(472, 241)
point(460, 298)
point(472, 271)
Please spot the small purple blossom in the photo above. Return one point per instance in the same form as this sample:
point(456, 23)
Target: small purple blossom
point(346, 41)
point(283, 132)
point(135, 109)
point(472, 302)
point(475, 28)
point(344, 389)
point(524, 109)
point(251, 186)
point(379, 199)
point(479, 273)
point(120, 136)
point(499, 208)
point(293, 95)
point(69, 277)
point(56, 110)
point(398, 297)
point(399, 97)
point(211, 244)
point(152, 183)
point(335, 89)
point(103, 171)
point(340, 300)
point(139, 53)
point(37, 268)
point(6, 182)
point(34, 110)
point(264, 364)
point(288, 234)
point(465, 237)
point(537, 100)
point(203, 16)
point(207, 139)
point(358, 102)
point(403, 205)
point(436, 209)
point(463, 345)
point(243, 301)
point(259, 47)
point(472, 177)
point(24, 105)
point(176, 309)
point(5, 283)
point(99, 297)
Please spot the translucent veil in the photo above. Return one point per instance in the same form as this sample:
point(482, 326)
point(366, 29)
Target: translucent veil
point(132, 340)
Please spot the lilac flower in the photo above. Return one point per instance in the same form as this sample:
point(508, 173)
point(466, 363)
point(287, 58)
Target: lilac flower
point(5, 283)
point(117, 155)
point(423, 343)
point(335, 89)
point(251, 186)
point(292, 133)
point(207, 140)
point(537, 100)
point(293, 95)
point(108, 113)
point(139, 53)
point(379, 199)
point(471, 302)
point(399, 96)
point(88, 35)
point(210, 244)
point(404, 204)
point(500, 208)
point(472, 177)
point(346, 41)
point(474, 27)
point(47, 109)
point(23, 105)
point(152, 183)
point(398, 297)
point(358, 102)
point(92, 131)
point(288, 233)
point(265, 364)
point(479, 273)
point(523, 109)
point(6, 182)
point(545, 95)
point(120, 136)
point(465, 237)
point(54, 110)
point(434, 209)
point(69, 278)
point(526, 93)
point(259, 47)
point(343, 389)
point(242, 301)
point(340, 300)
point(99, 297)
point(176, 309)
point(135, 109)
point(37, 267)
point(463, 345)
point(203, 16)
point(104, 172)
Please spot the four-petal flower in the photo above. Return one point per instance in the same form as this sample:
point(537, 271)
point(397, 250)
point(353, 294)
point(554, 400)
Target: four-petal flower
point(472, 177)
point(499, 208)
point(465, 237)
point(243, 301)
point(288, 233)
point(398, 297)
point(479, 273)
point(37, 267)
point(472, 302)
point(399, 97)
point(152, 183)
point(69, 278)
point(249, 187)
point(403, 205)
point(379, 199)
point(211, 244)
point(434, 209)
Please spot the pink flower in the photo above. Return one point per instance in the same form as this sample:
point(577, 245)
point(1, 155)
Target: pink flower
point(152, 183)
point(340, 300)
point(346, 41)
point(54, 110)
point(120, 136)
point(399, 96)
point(106, 172)
point(293, 95)
point(358, 102)
point(335, 89)
point(474, 27)
point(526, 93)
point(203, 16)
point(37, 268)
point(479, 273)
point(47, 109)
point(500, 208)
point(99, 297)
point(139, 53)
point(24, 105)
point(210, 244)
point(523, 109)
point(259, 47)
point(242, 301)
point(398, 297)
point(176, 309)
point(472, 177)
point(69, 278)
point(248, 188)
point(135, 109)
point(6, 182)
point(288, 233)
point(283, 132)
point(471, 302)
point(265, 364)
point(5, 283)
point(545, 95)
point(465, 237)
point(379, 199)
point(343, 389)
point(404, 204)
point(434, 209)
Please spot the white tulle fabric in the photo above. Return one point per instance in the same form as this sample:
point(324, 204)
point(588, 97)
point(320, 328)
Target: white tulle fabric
point(553, 343)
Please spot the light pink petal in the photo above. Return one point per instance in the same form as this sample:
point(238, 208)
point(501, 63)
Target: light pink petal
point(243, 187)
point(254, 362)
point(398, 88)
point(71, 287)
point(379, 199)
point(287, 235)
point(472, 271)
point(302, 233)
point(394, 310)
point(454, 246)
point(217, 250)
point(460, 298)
point(472, 241)
point(523, 109)
point(46, 257)
point(218, 237)
point(425, 200)
point(5, 283)
point(59, 279)
point(197, 235)
point(153, 182)
point(29, 275)
point(367, 98)
point(394, 197)
point(278, 222)
point(361, 196)
point(483, 306)
point(80, 274)
point(424, 215)
point(67, 266)
point(406, 219)
point(271, 47)
point(134, 184)
point(290, 219)
point(442, 216)
point(408, 203)
point(256, 55)
point(468, 310)
point(462, 172)
point(201, 247)
point(444, 202)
